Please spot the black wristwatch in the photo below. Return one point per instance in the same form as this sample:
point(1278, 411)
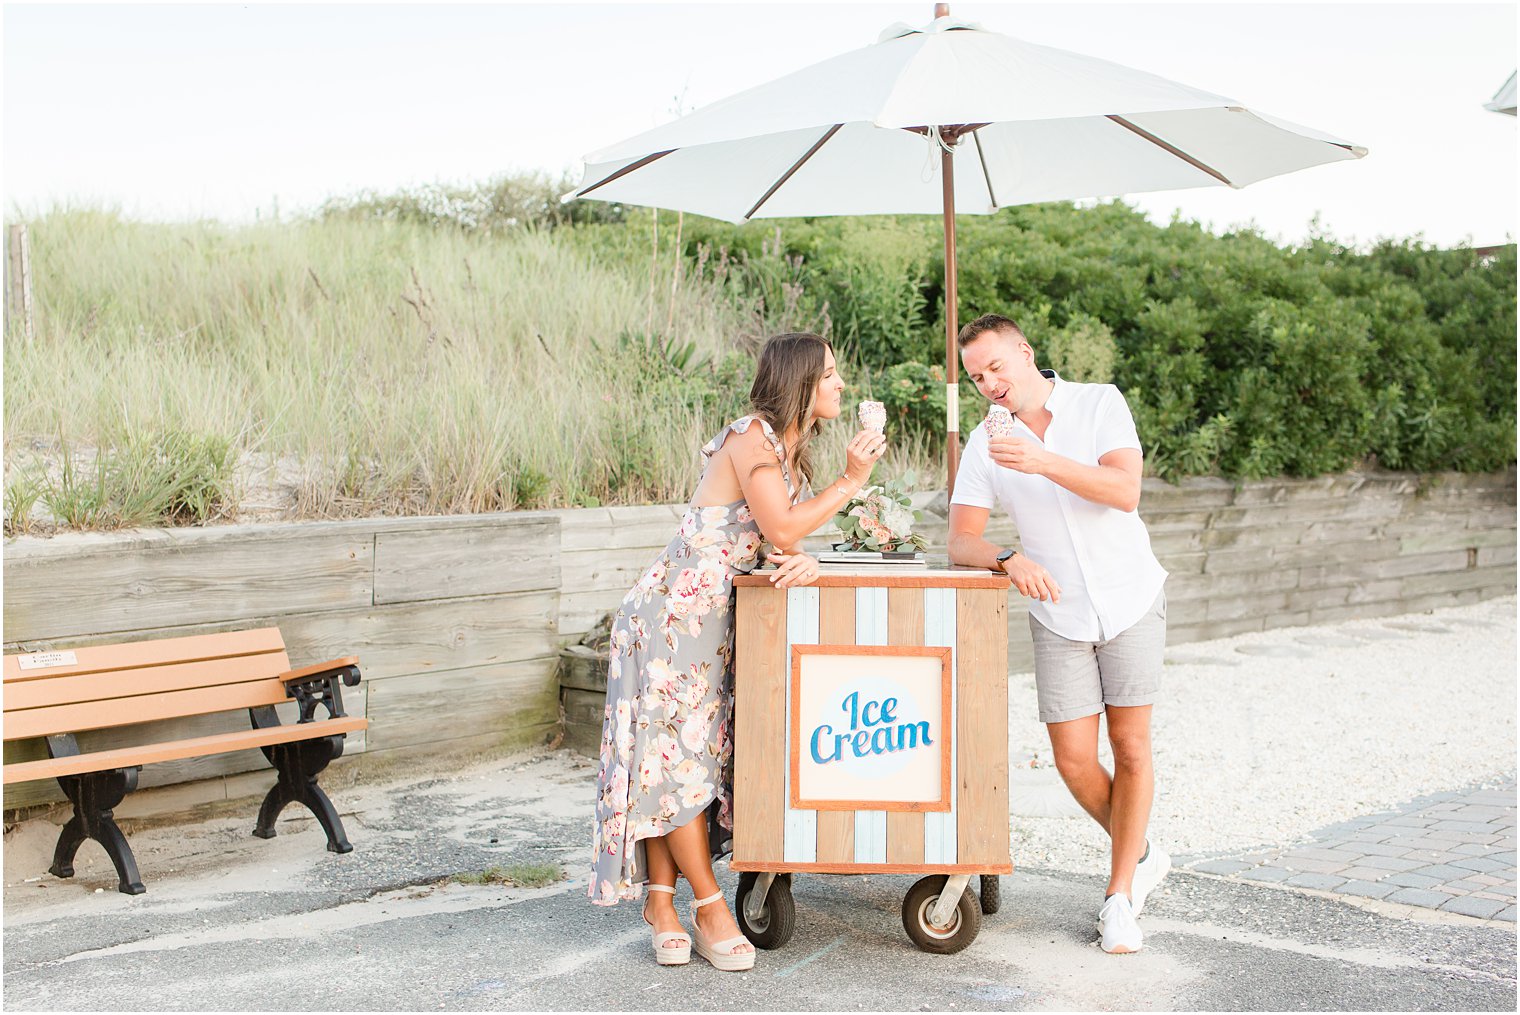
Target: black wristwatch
point(1004, 556)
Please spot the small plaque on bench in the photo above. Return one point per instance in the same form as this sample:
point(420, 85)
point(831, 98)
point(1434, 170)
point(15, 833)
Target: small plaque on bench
point(46, 660)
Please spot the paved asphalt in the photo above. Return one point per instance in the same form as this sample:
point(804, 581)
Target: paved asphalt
point(235, 923)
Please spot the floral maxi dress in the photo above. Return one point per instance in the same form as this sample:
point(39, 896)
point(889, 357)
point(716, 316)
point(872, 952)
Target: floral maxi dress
point(667, 748)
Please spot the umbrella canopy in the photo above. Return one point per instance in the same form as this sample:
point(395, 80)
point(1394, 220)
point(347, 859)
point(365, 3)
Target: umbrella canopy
point(1504, 99)
point(947, 118)
point(844, 137)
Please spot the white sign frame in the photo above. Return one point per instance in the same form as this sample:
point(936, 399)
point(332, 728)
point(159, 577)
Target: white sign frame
point(806, 659)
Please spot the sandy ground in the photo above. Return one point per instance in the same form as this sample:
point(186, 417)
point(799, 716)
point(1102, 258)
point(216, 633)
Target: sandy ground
point(1264, 737)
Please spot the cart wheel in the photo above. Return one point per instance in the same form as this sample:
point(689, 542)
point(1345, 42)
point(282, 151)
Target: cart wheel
point(992, 893)
point(778, 920)
point(964, 924)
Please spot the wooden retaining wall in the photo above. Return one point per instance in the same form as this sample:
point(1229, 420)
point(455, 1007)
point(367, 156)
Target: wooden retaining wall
point(458, 620)
point(453, 619)
point(1285, 552)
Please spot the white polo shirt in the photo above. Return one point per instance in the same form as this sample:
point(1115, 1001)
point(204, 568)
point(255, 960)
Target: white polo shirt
point(1100, 556)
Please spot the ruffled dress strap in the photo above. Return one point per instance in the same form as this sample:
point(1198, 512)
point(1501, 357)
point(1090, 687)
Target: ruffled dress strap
point(741, 425)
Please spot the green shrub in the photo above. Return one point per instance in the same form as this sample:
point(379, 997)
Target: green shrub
point(163, 478)
point(485, 348)
point(914, 395)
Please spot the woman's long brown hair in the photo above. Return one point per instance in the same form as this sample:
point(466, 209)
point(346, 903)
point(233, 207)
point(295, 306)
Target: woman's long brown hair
point(786, 384)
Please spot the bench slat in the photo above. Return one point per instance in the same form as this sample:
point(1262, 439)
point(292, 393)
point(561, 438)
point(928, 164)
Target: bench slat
point(315, 668)
point(100, 658)
point(94, 715)
point(221, 743)
point(27, 694)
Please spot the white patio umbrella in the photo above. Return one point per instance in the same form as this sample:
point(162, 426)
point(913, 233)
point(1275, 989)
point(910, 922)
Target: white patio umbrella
point(944, 119)
point(1504, 99)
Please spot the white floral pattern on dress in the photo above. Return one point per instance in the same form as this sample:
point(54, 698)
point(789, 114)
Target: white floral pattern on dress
point(667, 752)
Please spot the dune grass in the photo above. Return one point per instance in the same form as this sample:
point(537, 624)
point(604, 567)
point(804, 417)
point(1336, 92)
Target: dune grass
point(398, 367)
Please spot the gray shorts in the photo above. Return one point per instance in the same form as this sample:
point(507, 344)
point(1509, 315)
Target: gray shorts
point(1074, 679)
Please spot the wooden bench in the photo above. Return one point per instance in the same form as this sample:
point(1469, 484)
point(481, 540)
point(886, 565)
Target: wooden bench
point(57, 695)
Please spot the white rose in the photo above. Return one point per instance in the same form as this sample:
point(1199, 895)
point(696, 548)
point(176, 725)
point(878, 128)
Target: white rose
point(898, 518)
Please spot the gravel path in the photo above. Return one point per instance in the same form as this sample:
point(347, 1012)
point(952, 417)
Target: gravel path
point(1265, 737)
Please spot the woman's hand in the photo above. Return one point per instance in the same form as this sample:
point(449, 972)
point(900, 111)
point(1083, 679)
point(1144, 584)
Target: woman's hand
point(792, 569)
point(863, 452)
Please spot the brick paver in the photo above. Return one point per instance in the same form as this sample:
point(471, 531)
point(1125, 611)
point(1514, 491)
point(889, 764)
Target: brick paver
point(1450, 851)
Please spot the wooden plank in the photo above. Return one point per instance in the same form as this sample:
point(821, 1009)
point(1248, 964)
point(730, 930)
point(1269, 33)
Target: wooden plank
point(905, 616)
point(167, 772)
point(122, 685)
point(608, 569)
point(170, 773)
point(408, 638)
point(589, 529)
point(94, 715)
point(799, 839)
point(836, 836)
point(325, 666)
point(514, 555)
point(939, 629)
point(149, 754)
point(440, 707)
point(836, 626)
point(905, 626)
point(905, 837)
point(918, 578)
point(391, 641)
point(870, 633)
point(579, 611)
point(885, 867)
point(197, 582)
point(154, 652)
point(836, 615)
point(982, 727)
point(760, 717)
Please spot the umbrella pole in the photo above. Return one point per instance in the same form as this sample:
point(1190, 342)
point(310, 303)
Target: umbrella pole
point(952, 326)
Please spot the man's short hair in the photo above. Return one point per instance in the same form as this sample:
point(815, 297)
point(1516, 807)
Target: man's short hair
point(987, 322)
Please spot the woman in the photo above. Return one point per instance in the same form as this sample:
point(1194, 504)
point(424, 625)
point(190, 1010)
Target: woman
point(664, 798)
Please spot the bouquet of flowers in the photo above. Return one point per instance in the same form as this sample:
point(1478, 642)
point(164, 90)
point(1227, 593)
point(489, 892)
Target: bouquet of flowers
point(880, 518)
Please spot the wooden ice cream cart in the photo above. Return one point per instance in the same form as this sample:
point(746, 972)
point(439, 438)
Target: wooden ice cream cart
point(871, 737)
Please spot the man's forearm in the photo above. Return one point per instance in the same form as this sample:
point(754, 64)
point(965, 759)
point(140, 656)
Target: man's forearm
point(1101, 484)
point(973, 551)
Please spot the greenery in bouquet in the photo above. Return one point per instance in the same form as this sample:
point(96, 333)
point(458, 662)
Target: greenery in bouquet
point(880, 518)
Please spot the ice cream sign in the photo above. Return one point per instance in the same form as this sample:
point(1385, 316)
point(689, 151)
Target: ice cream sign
point(870, 727)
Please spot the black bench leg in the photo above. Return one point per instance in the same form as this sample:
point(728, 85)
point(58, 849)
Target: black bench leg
point(94, 796)
point(298, 765)
point(69, 841)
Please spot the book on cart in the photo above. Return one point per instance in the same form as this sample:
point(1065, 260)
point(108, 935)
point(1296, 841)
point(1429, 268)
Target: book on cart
point(872, 557)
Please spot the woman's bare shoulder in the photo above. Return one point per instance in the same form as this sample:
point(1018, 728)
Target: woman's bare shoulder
point(752, 446)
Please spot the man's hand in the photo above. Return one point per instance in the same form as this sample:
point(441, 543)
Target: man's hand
point(1031, 579)
point(1019, 454)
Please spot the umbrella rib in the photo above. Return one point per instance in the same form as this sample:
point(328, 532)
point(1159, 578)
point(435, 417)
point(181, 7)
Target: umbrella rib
point(1173, 149)
point(795, 166)
point(640, 164)
point(986, 176)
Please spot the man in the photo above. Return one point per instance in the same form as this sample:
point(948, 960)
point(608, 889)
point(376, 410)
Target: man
point(1070, 478)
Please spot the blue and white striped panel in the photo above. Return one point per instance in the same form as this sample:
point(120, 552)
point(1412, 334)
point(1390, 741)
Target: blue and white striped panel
point(939, 629)
point(870, 629)
point(799, 838)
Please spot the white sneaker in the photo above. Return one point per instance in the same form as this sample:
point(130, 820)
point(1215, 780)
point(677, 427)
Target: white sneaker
point(1148, 874)
point(1116, 923)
